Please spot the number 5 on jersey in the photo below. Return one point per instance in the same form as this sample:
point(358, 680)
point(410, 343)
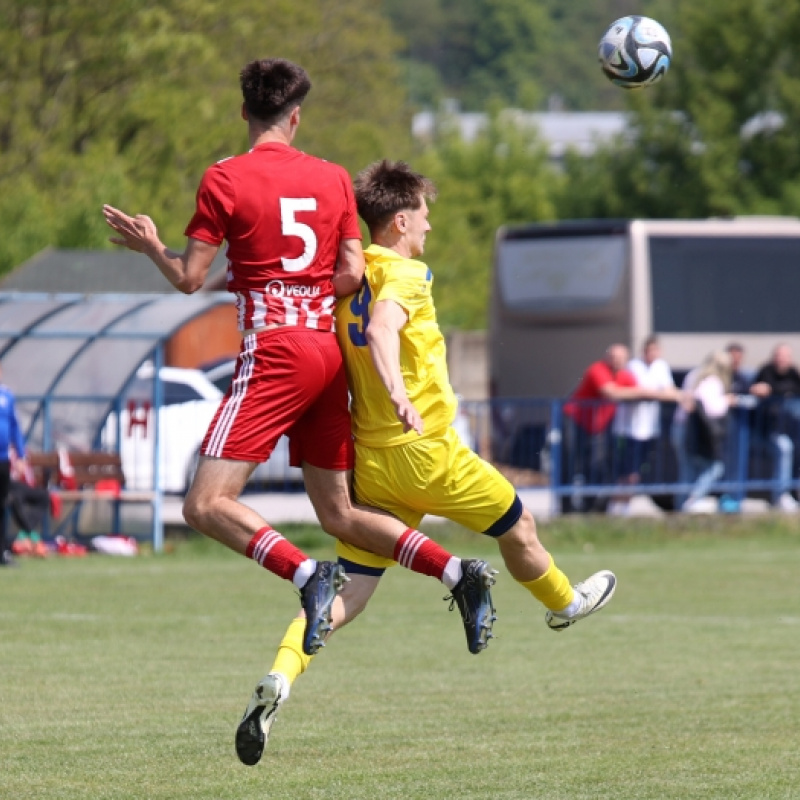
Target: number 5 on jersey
point(291, 227)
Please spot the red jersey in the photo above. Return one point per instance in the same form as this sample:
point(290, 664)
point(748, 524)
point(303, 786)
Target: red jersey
point(283, 214)
point(595, 417)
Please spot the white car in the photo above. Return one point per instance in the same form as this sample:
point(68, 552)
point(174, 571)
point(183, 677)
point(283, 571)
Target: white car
point(189, 402)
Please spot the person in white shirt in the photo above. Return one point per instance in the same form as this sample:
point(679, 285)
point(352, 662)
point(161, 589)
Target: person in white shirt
point(637, 425)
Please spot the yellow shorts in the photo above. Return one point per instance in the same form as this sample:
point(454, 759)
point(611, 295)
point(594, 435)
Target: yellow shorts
point(437, 475)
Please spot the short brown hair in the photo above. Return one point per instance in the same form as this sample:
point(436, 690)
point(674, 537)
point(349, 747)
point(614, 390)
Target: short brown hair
point(385, 187)
point(273, 86)
point(650, 341)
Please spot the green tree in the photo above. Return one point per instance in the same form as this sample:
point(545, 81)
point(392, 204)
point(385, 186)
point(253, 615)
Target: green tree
point(128, 103)
point(481, 49)
point(526, 53)
point(503, 177)
point(568, 66)
point(716, 136)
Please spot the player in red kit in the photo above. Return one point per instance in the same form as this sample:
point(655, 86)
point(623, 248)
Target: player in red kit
point(294, 246)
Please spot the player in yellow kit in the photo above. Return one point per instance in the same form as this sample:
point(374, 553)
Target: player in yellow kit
point(409, 460)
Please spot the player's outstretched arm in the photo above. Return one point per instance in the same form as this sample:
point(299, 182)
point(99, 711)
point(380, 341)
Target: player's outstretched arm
point(349, 271)
point(185, 271)
point(383, 338)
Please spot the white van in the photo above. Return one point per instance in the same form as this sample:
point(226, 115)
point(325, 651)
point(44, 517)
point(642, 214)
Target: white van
point(190, 400)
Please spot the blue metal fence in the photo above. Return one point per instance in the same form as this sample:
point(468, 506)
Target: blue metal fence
point(572, 449)
point(584, 465)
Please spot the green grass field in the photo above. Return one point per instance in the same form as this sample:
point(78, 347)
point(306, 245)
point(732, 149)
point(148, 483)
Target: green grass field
point(126, 678)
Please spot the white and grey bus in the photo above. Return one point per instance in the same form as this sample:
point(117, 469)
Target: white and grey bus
point(562, 292)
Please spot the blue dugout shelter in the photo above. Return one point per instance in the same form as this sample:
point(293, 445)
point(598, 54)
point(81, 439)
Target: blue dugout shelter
point(72, 357)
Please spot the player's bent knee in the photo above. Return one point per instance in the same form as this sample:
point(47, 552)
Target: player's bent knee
point(192, 514)
point(336, 521)
point(197, 511)
point(525, 528)
point(523, 534)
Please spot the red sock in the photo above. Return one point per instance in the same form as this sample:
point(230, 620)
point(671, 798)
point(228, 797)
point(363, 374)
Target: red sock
point(273, 552)
point(415, 551)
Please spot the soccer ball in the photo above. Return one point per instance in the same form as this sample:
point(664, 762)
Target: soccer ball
point(635, 52)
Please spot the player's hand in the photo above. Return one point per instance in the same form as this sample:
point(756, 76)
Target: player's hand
point(137, 233)
point(409, 416)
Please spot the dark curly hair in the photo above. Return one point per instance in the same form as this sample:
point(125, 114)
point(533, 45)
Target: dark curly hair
point(386, 187)
point(273, 86)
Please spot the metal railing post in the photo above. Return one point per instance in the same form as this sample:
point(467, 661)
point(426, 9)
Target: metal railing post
point(117, 506)
point(743, 444)
point(158, 497)
point(556, 439)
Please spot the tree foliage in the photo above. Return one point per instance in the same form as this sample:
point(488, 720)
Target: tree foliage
point(503, 177)
point(716, 137)
point(128, 102)
point(524, 53)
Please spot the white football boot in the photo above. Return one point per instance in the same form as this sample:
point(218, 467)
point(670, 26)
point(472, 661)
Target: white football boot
point(253, 731)
point(593, 593)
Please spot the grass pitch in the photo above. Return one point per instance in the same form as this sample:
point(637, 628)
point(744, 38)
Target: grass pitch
point(126, 678)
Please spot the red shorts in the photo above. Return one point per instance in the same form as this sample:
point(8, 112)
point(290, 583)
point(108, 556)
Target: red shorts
point(287, 381)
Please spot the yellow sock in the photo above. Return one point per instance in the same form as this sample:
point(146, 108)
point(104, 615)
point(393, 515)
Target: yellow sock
point(552, 589)
point(291, 661)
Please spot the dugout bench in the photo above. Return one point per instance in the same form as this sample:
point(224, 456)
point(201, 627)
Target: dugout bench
point(77, 477)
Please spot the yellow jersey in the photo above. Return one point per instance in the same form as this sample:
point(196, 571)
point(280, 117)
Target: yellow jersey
point(423, 363)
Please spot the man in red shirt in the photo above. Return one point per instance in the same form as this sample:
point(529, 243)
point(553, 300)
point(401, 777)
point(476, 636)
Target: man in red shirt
point(592, 406)
point(604, 382)
point(294, 246)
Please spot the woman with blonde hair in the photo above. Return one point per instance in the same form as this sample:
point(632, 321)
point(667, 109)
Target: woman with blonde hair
point(711, 398)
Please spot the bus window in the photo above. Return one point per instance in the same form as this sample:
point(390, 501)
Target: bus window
point(741, 284)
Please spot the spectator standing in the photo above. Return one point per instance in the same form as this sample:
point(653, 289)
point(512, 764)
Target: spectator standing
point(10, 438)
point(677, 434)
point(740, 418)
point(709, 388)
point(778, 384)
point(741, 378)
point(637, 425)
point(592, 406)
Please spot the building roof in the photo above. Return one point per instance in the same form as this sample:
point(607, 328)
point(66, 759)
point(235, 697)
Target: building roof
point(72, 355)
point(560, 130)
point(91, 271)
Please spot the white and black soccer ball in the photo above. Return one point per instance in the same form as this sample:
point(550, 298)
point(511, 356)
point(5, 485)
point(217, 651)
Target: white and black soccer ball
point(635, 52)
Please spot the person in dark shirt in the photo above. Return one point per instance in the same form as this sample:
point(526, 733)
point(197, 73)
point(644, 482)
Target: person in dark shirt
point(777, 385)
point(741, 416)
point(11, 439)
point(741, 378)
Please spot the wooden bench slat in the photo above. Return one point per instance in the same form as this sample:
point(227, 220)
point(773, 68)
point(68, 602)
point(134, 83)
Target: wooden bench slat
point(76, 495)
point(89, 468)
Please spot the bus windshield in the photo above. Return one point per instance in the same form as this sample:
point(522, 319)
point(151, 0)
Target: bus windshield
point(560, 273)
